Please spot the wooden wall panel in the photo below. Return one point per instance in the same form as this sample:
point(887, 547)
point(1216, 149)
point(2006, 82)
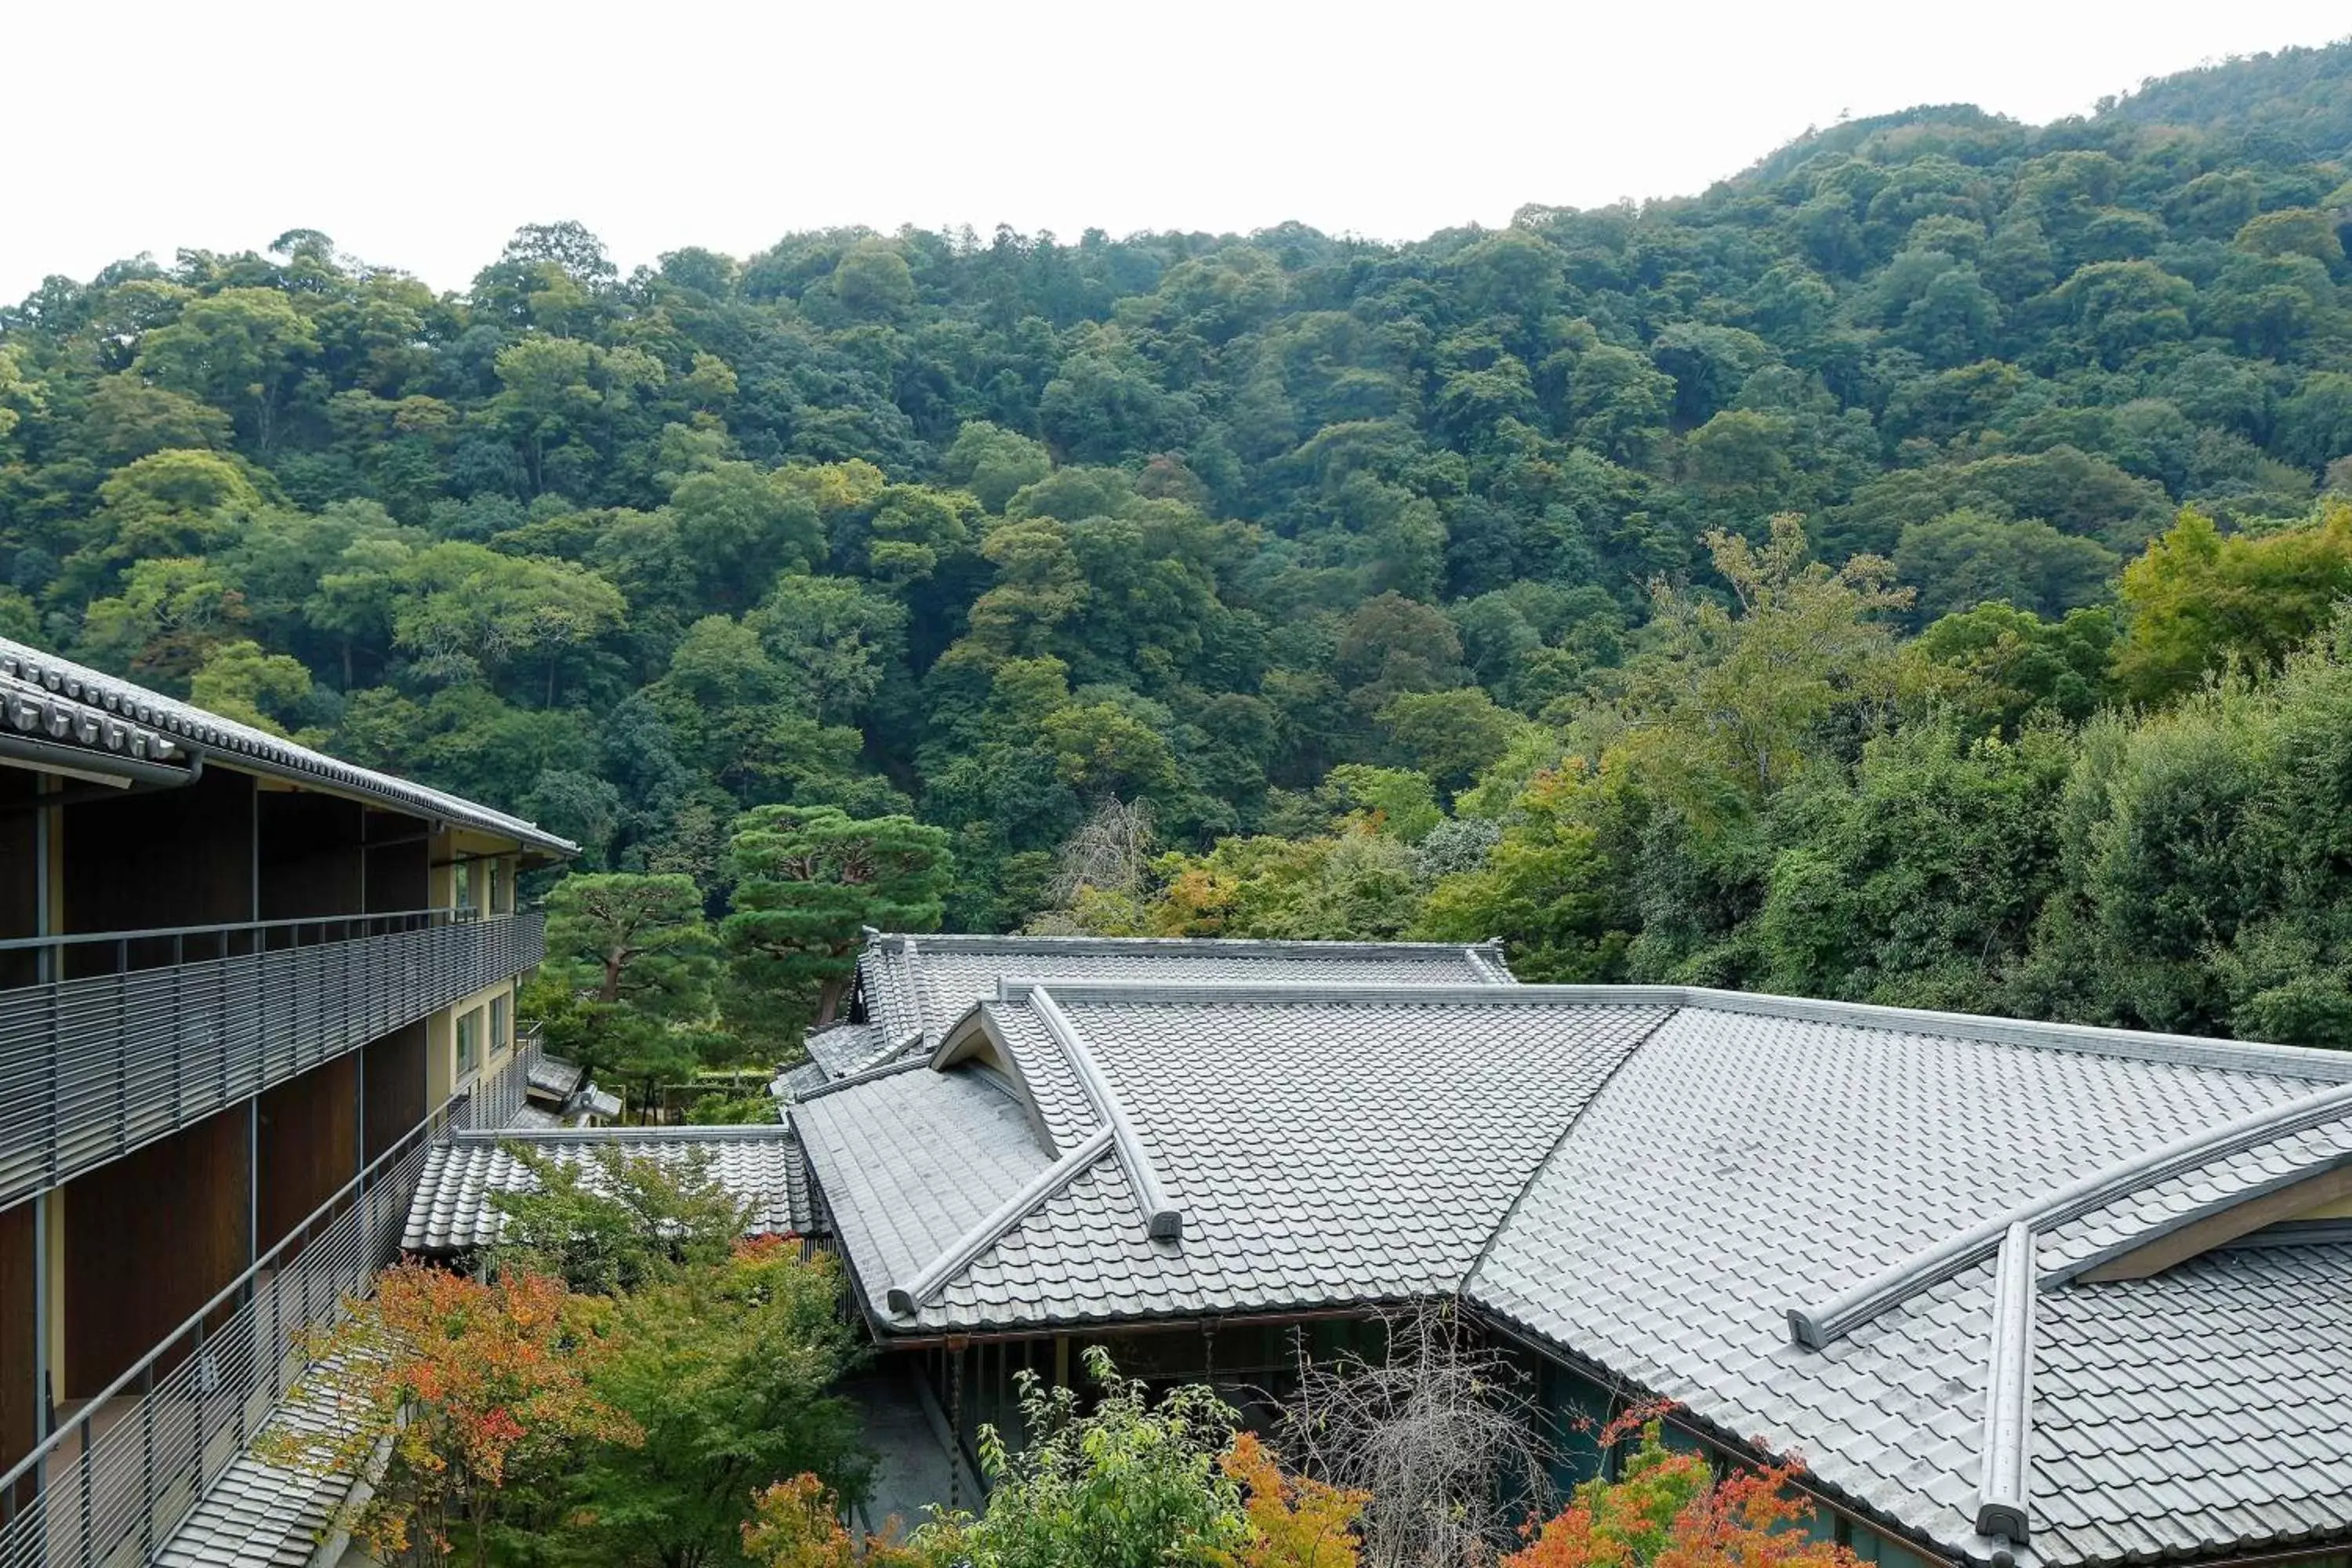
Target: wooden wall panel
point(19, 1390)
point(176, 857)
point(19, 884)
point(396, 1086)
point(149, 1239)
point(396, 866)
point(310, 855)
point(306, 1146)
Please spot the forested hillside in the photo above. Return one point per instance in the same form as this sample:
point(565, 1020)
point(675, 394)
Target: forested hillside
point(1292, 585)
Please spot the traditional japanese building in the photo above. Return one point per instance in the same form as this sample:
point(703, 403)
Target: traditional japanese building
point(2008, 1293)
point(243, 986)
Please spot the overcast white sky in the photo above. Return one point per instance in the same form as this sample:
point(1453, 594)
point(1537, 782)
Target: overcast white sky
point(420, 134)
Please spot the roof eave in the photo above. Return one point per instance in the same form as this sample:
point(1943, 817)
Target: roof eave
point(247, 750)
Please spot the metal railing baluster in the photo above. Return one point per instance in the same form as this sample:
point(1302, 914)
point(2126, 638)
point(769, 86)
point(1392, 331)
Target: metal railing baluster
point(147, 1459)
point(98, 1095)
point(339, 1242)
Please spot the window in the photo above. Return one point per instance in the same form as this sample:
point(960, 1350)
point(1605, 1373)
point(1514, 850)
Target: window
point(469, 1042)
point(498, 1025)
point(461, 884)
point(492, 903)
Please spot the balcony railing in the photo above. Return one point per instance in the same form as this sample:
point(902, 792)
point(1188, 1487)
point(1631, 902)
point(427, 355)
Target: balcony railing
point(111, 1484)
point(190, 1020)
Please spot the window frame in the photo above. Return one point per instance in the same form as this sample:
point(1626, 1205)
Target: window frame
point(469, 1041)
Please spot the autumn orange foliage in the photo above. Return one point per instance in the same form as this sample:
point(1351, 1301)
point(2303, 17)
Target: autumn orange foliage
point(474, 1386)
point(1668, 1511)
point(1294, 1522)
point(796, 1523)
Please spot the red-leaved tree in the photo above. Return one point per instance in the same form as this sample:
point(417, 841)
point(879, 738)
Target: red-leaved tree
point(473, 1392)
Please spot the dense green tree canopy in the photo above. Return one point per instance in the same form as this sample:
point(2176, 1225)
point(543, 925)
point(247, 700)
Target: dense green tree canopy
point(971, 534)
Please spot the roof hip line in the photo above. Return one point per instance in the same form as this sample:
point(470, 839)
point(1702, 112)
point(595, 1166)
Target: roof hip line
point(1817, 1327)
point(1163, 1220)
point(866, 1074)
point(1665, 1016)
point(2002, 1473)
point(904, 1300)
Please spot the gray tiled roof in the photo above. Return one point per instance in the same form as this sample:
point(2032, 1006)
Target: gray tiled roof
point(921, 984)
point(1651, 1179)
point(1308, 1170)
point(452, 1212)
point(553, 1078)
point(102, 700)
point(918, 1163)
point(259, 1514)
point(795, 1082)
point(1741, 1161)
point(2206, 1408)
point(844, 1048)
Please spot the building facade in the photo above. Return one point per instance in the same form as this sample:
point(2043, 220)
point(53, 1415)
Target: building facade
point(239, 983)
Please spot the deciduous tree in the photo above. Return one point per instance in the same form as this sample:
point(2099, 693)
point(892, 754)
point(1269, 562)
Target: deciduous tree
point(477, 1395)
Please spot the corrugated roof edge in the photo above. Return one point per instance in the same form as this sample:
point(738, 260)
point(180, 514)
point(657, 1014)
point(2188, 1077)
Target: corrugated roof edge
point(1490, 949)
point(242, 746)
point(738, 1133)
point(2182, 1050)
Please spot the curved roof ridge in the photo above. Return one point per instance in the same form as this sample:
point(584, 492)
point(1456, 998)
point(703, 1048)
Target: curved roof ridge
point(904, 1300)
point(2193, 1210)
point(182, 725)
point(1818, 1326)
point(2004, 1475)
point(1163, 1220)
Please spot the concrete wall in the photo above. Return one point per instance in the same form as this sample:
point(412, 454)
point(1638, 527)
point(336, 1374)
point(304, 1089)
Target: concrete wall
point(444, 1080)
